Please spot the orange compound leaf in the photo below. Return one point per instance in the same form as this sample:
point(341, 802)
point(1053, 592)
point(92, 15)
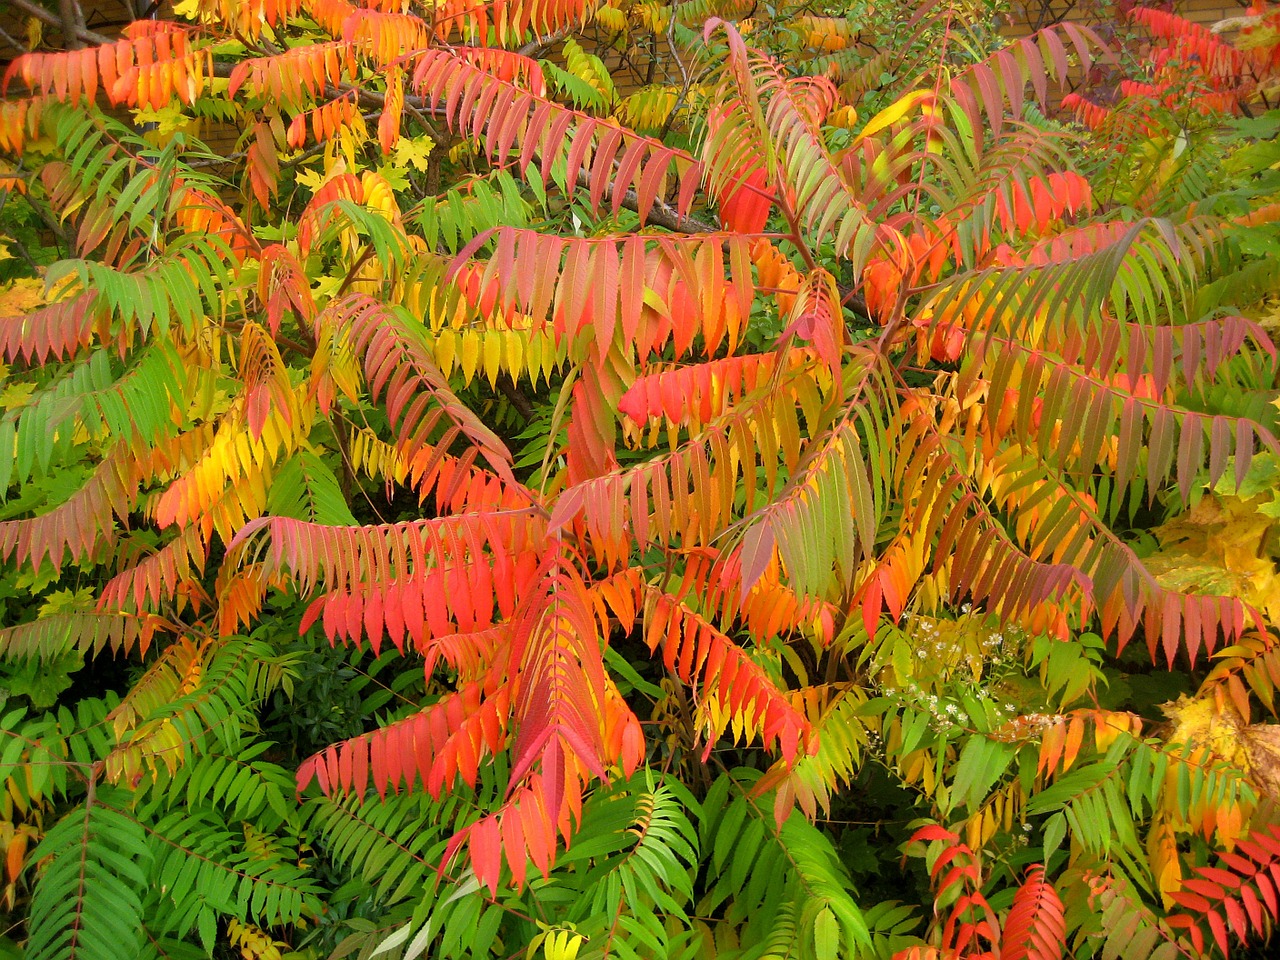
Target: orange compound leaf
point(1194, 43)
point(745, 203)
point(525, 830)
point(777, 274)
point(1238, 897)
point(462, 487)
point(294, 77)
point(682, 494)
point(509, 66)
point(692, 647)
point(316, 557)
point(817, 317)
point(623, 738)
point(401, 371)
point(267, 388)
point(882, 283)
point(424, 612)
point(159, 578)
point(247, 17)
point(204, 214)
point(598, 284)
point(1075, 242)
point(147, 68)
point(326, 122)
point(262, 165)
point(769, 607)
point(1135, 88)
point(83, 523)
point(315, 217)
point(890, 584)
point(827, 34)
point(932, 832)
point(772, 609)
point(562, 682)
point(220, 476)
point(1035, 928)
point(1219, 102)
point(444, 744)
point(697, 393)
point(1035, 204)
point(1092, 115)
point(513, 124)
point(389, 122)
point(370, 190)
point(282, 285)
point(329, 14)
point(1063, 736)
point(970, 929)
point(385, 38)
point(921, 952)
point(18, 120)
point(58, 331)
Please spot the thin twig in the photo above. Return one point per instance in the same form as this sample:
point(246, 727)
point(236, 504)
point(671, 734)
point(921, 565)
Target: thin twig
point(9, 39)
point(40, 13)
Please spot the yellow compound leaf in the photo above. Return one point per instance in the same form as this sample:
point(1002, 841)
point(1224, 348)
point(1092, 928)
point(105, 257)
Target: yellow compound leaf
point(470, 353)
point(492, 357)
point(562, 945)
point(1162, 848)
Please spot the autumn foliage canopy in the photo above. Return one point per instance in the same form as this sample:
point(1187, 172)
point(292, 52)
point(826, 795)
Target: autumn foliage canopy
point(641, 479)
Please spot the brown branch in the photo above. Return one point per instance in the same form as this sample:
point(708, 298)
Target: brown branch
point(9, 39)
point(78, 31)
point(661, 214)
point(516, 398)
point(67, 24)
point(538, 44)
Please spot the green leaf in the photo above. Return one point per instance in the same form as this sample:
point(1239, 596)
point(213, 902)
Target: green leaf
point(826, 935)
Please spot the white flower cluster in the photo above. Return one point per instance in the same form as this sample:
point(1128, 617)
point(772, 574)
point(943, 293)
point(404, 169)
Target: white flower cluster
point(947, 713)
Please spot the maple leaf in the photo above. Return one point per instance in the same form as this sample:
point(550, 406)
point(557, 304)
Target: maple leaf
point(1222, 545)
point(1212, 729)
point(21, 296)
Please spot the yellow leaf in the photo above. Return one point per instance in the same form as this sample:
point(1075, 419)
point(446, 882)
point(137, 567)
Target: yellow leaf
point(470, 354)
point(21, 296)
point(845, 117)
point(895, 112)
point(1221, 546)
point(562, 945)
point(1162, 848)
point(16, 395)
point(61, 601)
point(492, 356)
point(446, 349)
point(414, 153)
point(164, 122)
point(513, 344)
point(1200, 722)
point(533, 356)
